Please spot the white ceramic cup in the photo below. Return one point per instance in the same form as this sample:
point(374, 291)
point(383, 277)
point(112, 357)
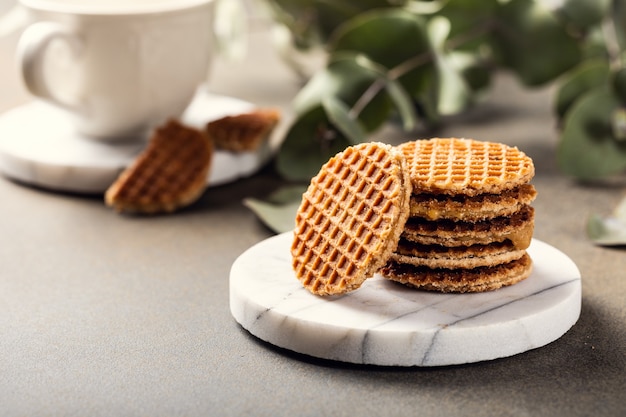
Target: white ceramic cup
point(119, 67)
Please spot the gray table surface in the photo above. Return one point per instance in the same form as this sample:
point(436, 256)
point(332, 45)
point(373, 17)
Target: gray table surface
point(109, 315)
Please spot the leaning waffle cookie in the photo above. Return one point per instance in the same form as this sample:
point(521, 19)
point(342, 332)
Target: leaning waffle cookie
point(478, 279)
point(465, 166)
point(472, 256)
point(169, 174)
point(243, 132)
point(350, 218)
point(518, 228)
point(471, 208)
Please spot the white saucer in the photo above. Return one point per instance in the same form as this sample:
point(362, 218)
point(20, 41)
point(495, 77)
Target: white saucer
point(384, 323)
point(39, 146)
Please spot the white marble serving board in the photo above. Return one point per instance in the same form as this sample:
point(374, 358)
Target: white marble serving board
point(385, 323)
point(38, 145)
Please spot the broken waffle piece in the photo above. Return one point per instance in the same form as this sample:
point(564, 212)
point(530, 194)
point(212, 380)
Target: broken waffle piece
point(169, 174)
point(243, 132)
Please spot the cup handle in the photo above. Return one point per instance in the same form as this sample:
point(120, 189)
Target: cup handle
point(31, 49)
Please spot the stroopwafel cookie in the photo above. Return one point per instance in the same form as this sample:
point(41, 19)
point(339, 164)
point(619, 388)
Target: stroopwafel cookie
point(517, 228)
point(472, 256)
point(169, 174)
point(350, 218)
point(467, 167)
point(472, 208)
point(460, 280)
point(243, 132)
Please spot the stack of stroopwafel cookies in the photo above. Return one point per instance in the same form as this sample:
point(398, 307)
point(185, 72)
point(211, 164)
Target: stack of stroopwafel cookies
point(470, 217)
point(449, 215)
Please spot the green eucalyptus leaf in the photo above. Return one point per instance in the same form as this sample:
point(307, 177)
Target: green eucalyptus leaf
point(438, 30)
point(365, 62)
point(530, 41)
point(278, 212)
point(279, 218)
point(618, 83)
point(334, 13)
point(618, 16)
point(346, 78)
point(584, 13)
point(606, 231)
point(287, 194)
point(397, 93)
point(425, 6)
point(618, 124)
point(586, 76)
point(453, 94)
point(587, 149)
point(364, 33)
point(305, 32)
point(318, 19)
point(339, 115)
point(471, 22)
point(403, 103)
point(473, 69)
point(593, 45)
point(328, 82)
point(609, 230)
point(310, 142)
point(393, 38)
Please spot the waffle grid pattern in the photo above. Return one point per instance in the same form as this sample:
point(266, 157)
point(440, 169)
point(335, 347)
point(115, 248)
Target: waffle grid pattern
point(243, 132)
point(346, 219)
point(167, 174)
point(465, 165)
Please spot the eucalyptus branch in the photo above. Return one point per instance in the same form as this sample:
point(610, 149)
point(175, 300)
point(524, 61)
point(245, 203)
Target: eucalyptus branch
point(409, 65)
point(413, 63)
point(535, 43)
point(475, 32)
point(365, 98)
point(393, 74)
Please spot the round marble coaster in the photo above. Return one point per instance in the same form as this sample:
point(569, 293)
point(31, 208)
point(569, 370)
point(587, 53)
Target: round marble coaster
point(39, 146)
point(385, 323)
